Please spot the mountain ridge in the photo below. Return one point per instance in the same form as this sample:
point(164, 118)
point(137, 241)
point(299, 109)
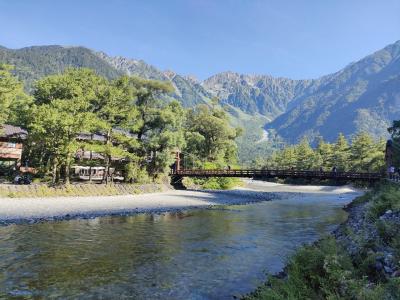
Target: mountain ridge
point(362, 93)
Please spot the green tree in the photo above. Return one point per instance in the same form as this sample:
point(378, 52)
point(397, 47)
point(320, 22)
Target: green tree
point(63, 110)
point(323, 155)
point(210, 136)
point(341, 154)
point(14, 103)
point(304, 155)
point(116, 118)
point(362, 151)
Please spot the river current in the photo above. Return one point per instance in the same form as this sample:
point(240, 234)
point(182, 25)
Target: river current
point(198, 254)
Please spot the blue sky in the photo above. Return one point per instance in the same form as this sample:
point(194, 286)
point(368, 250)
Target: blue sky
point(295, 39)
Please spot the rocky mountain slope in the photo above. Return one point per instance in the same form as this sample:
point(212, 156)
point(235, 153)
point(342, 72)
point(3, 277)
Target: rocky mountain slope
point(364, 96)
point(262, 94)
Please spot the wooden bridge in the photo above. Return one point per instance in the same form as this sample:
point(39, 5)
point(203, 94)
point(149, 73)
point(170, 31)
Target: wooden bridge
point(177, 175)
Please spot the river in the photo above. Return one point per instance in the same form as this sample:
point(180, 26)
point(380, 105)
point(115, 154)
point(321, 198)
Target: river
point(198, 254)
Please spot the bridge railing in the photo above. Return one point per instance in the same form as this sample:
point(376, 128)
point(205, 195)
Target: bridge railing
point(276, 173)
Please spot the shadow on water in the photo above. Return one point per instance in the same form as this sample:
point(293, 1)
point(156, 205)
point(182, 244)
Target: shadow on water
point(199, 254)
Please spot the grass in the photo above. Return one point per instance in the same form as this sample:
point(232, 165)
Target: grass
point(326, 270)
point(78, 190)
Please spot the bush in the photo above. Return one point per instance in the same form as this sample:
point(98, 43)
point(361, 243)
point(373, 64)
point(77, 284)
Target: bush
point(220, 183)
point(386, 197)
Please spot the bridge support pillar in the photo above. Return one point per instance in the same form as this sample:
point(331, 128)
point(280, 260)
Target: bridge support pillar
point(176, 182)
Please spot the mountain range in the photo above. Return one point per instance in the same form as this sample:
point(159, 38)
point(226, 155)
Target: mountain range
point(363, 96)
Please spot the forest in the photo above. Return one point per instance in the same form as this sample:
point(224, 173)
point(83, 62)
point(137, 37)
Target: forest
point(140, 132)
point(361, 154)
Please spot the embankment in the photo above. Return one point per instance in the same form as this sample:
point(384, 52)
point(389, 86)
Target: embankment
point(360, 260)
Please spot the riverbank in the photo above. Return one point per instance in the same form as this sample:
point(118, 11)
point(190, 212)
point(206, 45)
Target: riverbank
point(359, 260)
point(42, 190)
point(28, 209)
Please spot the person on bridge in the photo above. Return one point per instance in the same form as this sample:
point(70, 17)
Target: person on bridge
point(321, 169)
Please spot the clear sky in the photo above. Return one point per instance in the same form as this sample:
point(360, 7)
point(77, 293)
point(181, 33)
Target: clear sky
point(295, 39)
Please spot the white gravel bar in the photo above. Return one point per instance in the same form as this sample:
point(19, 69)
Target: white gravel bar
point(16, 209)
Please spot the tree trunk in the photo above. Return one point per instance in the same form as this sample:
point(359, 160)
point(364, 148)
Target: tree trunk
point(67, 169)
point(90, 167)
point(54, 171)
point(108, 159)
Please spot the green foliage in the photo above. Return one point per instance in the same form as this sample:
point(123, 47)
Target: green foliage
point(220, 183)
point(13, 100)
point(135, 173)
point(209, 135)
point(33, 63)
point(61, 111)
point(140, 132)
point(387, 198)
point(326, 270)
point(363, 155)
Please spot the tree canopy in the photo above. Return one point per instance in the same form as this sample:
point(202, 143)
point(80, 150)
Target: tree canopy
point(137, 129)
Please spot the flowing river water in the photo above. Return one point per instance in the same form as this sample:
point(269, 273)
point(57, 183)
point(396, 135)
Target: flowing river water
point(198, 254)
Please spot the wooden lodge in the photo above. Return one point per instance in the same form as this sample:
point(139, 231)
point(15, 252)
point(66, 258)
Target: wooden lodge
point(11, 144)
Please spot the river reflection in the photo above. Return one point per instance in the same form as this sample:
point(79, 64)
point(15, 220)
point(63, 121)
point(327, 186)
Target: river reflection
point(200, 254)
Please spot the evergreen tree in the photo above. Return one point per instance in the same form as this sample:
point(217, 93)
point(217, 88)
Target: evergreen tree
point(304, 155)
point(323, 155)
point(341, 154)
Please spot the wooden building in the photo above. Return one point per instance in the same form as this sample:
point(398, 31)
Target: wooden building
point(11, 144)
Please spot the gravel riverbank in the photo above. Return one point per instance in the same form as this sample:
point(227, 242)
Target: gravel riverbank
point(20, 210)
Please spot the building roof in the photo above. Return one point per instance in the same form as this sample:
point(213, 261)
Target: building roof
point(101, 137)
point(91, 137)
point(10, 131)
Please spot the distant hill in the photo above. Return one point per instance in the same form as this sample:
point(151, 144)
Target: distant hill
point(364, 96)
point(32, 63)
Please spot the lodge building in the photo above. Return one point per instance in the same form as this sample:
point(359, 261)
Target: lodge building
point(11, 144)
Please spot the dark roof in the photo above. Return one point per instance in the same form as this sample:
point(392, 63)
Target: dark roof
point(101, 137)
point(91, 137)
point(10, 131)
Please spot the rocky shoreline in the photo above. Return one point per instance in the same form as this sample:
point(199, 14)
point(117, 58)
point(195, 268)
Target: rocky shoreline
point(359, 230)
point(360, 259)
point(29, 211)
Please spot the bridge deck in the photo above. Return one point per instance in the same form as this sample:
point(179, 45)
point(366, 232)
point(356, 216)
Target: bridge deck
point(255, 173)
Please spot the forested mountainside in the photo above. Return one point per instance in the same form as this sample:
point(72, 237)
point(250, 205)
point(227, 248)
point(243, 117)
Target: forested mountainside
point(364, 96)
point(32, 63)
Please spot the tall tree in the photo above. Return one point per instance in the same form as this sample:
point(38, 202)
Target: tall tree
point(61, 112)
point(210, 136)
point(305, 155)
point(341, 153)
point(14, 103)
